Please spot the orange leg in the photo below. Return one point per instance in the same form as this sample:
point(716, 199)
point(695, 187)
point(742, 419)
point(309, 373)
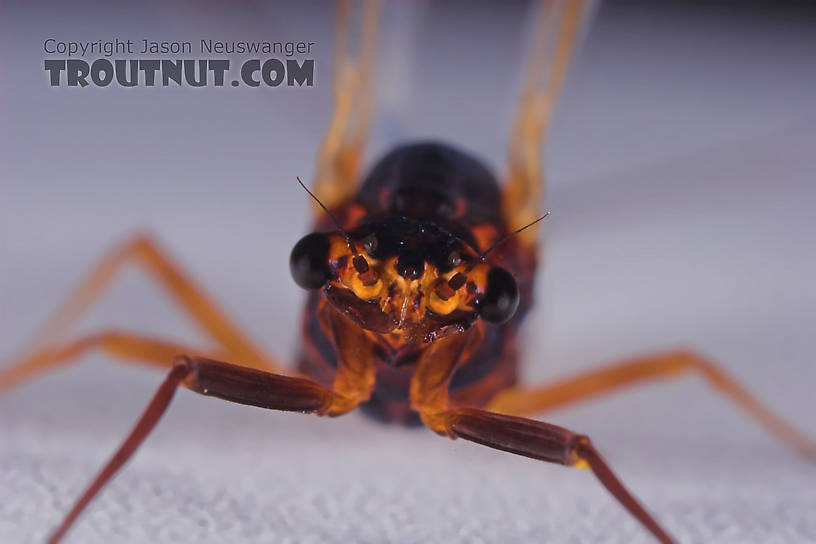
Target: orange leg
point(557, 31)
point(530, 401)
point(126, 346)
point(342, 148)
point(38, 354)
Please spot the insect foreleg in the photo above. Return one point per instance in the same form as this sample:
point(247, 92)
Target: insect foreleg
point(430, 397)
point(218, 379)
point(549, 443)
point(143, 426)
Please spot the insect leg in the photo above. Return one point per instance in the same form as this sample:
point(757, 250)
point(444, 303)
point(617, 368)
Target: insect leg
point(218, 379)
point(430, 386)
point(184, 291)
point(529, 401)
point(127, 346)
point(342, 148)
point(558, 25)
point(545, 442)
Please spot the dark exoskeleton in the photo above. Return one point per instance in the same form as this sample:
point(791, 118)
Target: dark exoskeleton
point(426, 208)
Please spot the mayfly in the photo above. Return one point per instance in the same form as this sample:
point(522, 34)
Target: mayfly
point(420, 275)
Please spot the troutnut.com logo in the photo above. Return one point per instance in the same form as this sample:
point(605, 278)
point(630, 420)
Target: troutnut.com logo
point(284, 63)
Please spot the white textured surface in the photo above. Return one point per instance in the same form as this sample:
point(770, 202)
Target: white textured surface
point(308, 481)
point(682, 173)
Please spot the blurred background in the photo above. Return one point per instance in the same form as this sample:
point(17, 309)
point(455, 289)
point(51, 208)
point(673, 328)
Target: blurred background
point(681, 165)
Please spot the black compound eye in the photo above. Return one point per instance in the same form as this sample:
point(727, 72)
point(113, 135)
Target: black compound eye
point(309, 261)
point(501, 297)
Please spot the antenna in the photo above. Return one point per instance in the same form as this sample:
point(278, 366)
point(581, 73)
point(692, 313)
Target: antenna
point(334, 219)
point(484, 255)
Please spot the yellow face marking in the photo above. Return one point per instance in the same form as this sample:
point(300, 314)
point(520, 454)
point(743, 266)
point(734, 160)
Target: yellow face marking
point(363, 291)
point(442, 306)
point(404, 300)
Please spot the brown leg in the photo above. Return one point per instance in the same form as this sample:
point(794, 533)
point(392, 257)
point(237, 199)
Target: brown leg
point(535, 400)
point(556, 34)
point(342, 148)
point(429, 397)
point(223, 380)
point(545, 442)
point(184, 291)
